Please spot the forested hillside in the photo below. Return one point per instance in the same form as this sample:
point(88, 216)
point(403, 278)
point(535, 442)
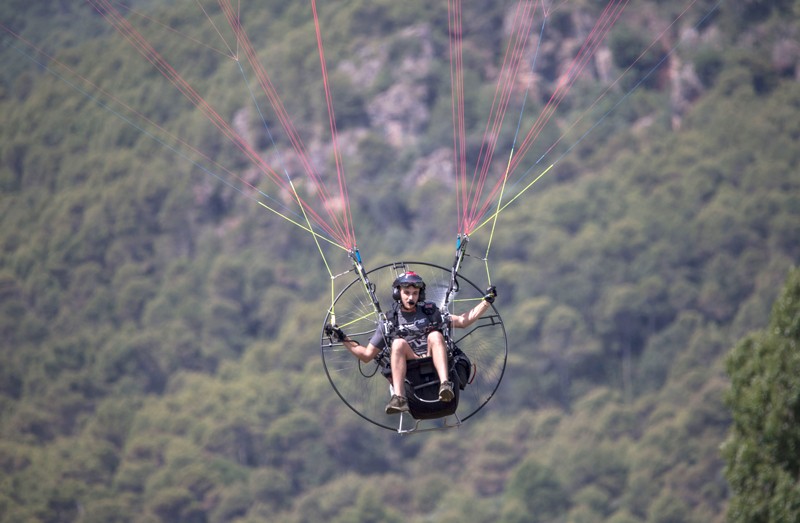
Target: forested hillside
point(160, 325)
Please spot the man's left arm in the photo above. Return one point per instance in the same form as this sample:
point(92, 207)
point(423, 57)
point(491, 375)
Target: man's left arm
point(470, 317)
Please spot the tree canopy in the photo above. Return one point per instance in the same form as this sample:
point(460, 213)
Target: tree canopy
point(761, 449)
point(159, 330)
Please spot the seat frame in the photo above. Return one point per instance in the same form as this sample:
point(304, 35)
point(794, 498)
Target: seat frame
point(422, 392)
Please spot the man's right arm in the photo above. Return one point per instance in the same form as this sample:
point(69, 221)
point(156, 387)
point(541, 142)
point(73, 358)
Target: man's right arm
point(365, 354)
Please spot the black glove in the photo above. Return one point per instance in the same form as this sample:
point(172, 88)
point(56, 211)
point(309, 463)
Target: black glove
point(491, 294)
point(333, 331)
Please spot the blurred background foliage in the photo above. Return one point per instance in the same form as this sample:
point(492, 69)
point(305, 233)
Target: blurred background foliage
point(159, 330)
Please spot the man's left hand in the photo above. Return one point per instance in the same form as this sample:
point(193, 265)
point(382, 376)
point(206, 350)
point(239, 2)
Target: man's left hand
point(491, 294)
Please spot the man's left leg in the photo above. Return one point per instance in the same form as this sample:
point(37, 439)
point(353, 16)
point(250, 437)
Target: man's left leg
point(437, 349)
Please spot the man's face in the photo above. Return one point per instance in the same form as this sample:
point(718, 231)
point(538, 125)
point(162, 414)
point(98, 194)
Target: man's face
point(409, 296)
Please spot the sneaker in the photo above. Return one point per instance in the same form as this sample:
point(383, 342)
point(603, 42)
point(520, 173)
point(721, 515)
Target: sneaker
point(446, 391)
point(396, 405)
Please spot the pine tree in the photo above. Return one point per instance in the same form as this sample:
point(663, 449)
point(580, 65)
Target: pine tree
point(763, 447)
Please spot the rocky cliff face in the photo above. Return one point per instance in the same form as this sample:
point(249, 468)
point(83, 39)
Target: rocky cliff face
point(401, 111)
point(666, 52)
point(676, 54)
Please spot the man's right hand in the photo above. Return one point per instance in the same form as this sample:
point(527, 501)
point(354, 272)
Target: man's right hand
point(333, 331)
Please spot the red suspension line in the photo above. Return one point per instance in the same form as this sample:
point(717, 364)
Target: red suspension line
point(229, 54)
point(522, 24)
point(616, 81)
point(610, 15)
point(598, 33)
point(343, 194)
point(109, 96)
point(152, 56)
point(457, 108)
point(336, 224)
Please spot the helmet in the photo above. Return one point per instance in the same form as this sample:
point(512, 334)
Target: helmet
point(406, 279)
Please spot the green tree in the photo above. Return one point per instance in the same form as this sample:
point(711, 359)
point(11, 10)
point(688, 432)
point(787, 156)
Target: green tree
point(534, 494)
point(763, 447)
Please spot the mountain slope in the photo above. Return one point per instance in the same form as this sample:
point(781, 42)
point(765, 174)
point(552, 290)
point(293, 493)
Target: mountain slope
point(159, 328)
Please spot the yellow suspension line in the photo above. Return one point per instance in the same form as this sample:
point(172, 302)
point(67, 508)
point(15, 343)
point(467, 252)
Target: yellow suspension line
point(316, 240)
point(294, 222)
point(495, 215)
point(319, 248)
point(501, 209)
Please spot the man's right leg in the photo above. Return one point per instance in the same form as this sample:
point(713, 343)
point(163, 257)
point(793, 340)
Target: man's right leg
point(401, 351)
